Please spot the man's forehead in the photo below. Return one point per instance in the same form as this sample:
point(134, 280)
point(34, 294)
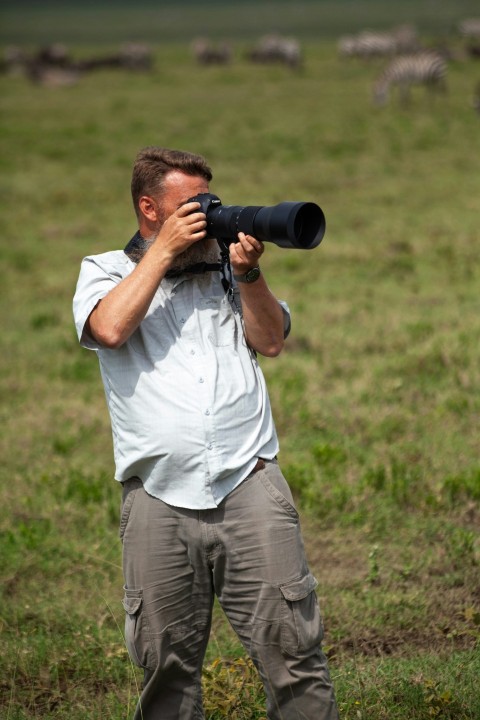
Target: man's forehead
point(178, 181)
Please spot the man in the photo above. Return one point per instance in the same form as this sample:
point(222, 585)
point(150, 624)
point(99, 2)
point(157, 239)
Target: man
point(206, 510)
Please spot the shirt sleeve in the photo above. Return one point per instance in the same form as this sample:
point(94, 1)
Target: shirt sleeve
point(97, 277)
point(287, 318)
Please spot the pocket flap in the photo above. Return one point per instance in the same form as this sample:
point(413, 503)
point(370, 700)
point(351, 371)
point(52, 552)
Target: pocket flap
point(299, 589)
point(132, 603)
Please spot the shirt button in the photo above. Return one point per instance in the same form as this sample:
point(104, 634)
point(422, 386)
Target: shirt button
point(182, 320)
point(192, 352)
point(201, 380)
point(207, 412)
point(209, 446)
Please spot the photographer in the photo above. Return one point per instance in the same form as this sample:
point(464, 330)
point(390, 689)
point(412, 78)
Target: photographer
point(206, 511)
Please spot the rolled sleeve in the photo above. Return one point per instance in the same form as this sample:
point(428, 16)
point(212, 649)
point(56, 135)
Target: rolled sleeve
point(287, 318)
point(98, 275)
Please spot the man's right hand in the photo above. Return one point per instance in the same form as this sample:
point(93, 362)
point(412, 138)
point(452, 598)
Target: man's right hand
point(183, 228)
point(120, 312)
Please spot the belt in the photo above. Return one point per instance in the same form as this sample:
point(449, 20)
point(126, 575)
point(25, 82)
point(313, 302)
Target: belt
point(260, 465)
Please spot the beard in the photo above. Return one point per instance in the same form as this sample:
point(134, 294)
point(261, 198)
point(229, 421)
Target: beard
point(206, 250)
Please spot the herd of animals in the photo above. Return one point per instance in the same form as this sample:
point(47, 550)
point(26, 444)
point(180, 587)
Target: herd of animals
point(408, 61)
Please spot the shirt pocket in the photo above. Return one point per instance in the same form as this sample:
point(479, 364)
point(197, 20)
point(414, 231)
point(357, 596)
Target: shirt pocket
point(218, 321)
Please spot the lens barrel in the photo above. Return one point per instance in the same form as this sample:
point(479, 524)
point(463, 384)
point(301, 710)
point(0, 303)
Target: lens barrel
point(297, 225)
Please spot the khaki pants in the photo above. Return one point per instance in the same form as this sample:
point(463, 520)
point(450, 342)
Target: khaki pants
point(249, 553)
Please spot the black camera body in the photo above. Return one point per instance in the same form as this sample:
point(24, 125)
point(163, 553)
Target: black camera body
point(299, 225)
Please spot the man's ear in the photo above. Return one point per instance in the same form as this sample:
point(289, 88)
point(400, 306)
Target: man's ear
point(148, 208)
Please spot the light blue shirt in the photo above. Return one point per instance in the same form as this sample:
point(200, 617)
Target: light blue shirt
point(188, 402)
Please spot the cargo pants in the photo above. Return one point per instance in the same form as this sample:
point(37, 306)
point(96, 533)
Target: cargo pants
point(249, 553)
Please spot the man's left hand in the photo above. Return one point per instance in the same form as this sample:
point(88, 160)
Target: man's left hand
point(245, 254)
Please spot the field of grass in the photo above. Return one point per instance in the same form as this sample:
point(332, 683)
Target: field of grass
point(376, 396)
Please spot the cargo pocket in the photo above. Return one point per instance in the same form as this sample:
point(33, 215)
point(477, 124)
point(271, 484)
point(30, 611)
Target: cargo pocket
point(137, 637)
point(302, 627)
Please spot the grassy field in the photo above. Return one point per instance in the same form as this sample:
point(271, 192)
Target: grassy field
point(376, 396)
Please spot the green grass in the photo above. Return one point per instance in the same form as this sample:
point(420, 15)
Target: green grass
point(376, 396)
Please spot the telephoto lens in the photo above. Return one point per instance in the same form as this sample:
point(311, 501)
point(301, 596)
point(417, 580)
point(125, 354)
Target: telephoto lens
point(298, 225)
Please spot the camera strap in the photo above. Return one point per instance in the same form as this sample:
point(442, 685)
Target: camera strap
point(138, 246)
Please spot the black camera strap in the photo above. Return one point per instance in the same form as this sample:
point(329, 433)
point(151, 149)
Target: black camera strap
point(138, 246)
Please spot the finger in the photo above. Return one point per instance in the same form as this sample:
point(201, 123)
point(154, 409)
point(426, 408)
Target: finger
point(188, 208)
point(249, 243)
point(195, 219)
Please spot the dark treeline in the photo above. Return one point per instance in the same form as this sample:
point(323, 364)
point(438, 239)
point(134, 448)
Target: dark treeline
point(159, 21)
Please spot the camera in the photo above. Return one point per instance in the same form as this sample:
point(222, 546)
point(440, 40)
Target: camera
point(299, 225)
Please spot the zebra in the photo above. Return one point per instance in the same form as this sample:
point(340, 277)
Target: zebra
point(277, 49)
point(426, 68)
point(367, 44)
point(370, 44)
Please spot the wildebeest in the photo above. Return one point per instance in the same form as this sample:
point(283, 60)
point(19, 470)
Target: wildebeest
point(131, 56)
point(52, 64)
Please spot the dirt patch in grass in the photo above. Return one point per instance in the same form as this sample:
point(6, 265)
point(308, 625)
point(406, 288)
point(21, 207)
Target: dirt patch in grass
point(415, 593)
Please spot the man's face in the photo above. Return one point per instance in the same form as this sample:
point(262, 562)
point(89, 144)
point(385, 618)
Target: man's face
point(178, 188)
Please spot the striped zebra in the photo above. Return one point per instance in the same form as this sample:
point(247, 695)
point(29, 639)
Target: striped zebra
point(277, 49)
point(370, 44)
point(367, 45)
point(426, 68)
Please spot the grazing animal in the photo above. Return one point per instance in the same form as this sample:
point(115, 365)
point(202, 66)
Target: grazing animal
point(55, 55)
point(370, 44)
point(347, 46)
point(205, 53)
point(136, 56)
point(52, 76)
point(426, 68)
point(375, 44)
point(277, 49)
point(131, 56)
point(52, 66)
point(14, 60)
